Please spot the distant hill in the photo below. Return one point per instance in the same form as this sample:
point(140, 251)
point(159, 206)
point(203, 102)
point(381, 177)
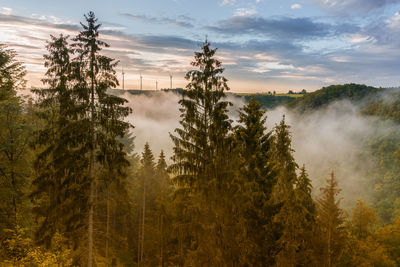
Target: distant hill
point(327, 95)
point(269, 101)
point(379, 102)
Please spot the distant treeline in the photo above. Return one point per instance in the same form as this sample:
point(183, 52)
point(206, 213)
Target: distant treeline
point(267, 101)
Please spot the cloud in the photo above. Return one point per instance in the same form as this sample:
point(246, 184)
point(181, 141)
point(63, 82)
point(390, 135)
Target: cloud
point(352, 6)
point(160, 20)
point(394, 21)
point(48, 22)
point(228, 2)
point(281, 28)
point(153, 55)
point(383, 33)
point(245, 12)
point(334, 140)
point(295, 6)
point(5, 11)
point(359, 38)
point(296, 52)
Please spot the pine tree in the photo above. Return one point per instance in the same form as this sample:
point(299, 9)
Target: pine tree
point(58, 186)
point(162, 205)
point(201, 161)
point(204, 122)
point(254, 146)
point(331, 219)
point(307, 220)
point(284, 196)
point(147, 173)
point(102, 113)
point(82, 129)
point(14, 138)
point(12, 73)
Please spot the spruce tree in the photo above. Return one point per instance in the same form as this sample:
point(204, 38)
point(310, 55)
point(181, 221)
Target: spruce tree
point(82, 129)
point(202, 166)
point(146, 174)
point(14, 138)
point(58, 183)
point(163, 208)
point(204, 122)
point(330, 220)
point(254, 147)
point(307, 220)
point(101, 112)
point(284, 196)
point(12, 73)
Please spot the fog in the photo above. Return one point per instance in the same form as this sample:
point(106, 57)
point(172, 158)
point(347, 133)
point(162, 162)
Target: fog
point(330, 140)
point(333, 140)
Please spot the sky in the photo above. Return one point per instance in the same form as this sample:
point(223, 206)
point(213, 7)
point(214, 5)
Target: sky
point(264, 45)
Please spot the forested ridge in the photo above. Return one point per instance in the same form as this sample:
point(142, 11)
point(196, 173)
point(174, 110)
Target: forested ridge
point(75, 191)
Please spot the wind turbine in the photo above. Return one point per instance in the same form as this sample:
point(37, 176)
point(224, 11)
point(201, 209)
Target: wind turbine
point(123, 79)
point(156, 85)
point(141, 84)
point(170, 81)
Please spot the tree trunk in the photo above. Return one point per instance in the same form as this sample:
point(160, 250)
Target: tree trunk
point(142, 213)
point(139, 236)
point(14, 188)
point(108, 223)
point(329, 245)
point(161, 241)
point(143, 218)
point(91, 167)
point(90, 225)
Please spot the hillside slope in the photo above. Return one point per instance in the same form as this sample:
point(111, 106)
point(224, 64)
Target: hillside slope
point(327, 95)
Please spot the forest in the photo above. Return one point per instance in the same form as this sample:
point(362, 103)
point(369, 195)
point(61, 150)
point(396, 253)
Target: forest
point(76, 191)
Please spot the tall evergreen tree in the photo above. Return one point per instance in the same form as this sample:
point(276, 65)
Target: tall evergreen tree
point(284, 196)
point(307, 220)
point(254, 146)
point(204, 122)
point(12, 73)
point(102, 113)
point(14, 138)
point(58, 186)
point(82, 129)
point(331, 219)
point(163, 208)
point(147, 173)
point(201, 159)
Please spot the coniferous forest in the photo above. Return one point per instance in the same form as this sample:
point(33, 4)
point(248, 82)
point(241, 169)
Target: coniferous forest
point(75, 191)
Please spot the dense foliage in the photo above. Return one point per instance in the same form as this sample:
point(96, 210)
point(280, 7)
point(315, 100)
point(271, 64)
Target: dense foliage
point(270, 101)
point(327, 95)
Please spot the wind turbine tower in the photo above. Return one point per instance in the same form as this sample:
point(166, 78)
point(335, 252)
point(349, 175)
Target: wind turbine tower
point(141, 83)
point(123, 79)
point(156, 85)
point(170, 81)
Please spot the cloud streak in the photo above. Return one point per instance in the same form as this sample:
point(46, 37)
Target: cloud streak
point(184, 22)
point(346, 7)
point(280, 28)
point(292, 53)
